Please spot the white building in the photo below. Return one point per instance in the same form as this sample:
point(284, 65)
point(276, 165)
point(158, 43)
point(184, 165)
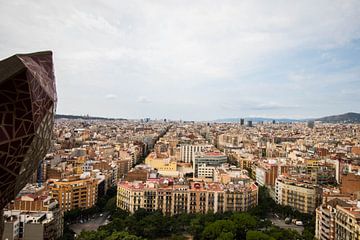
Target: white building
point(260, 176)
point(204, 171)
point(187, 152)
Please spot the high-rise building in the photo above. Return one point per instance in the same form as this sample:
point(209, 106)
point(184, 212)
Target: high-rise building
point(242, 121)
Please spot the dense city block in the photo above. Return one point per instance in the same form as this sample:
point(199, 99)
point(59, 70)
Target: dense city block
point(281, 175)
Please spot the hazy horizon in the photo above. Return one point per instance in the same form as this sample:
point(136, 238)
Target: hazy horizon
point(204, 120)
point(202, 60)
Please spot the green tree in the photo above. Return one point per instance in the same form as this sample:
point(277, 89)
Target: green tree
point(283, 234)
point(178, 237)
point(196, 226)
point(220, 229)
point(110, 205)
point(257, 235)
point(243, 222)
point(91, 235)
point(122, 236)
point(226, 236)
point(181, 222)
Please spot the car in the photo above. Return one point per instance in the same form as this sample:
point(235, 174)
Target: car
point(299, 223)
point(287, 220)
point(101, 214)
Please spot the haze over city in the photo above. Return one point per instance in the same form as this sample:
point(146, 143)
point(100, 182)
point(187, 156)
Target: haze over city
point(200, 60)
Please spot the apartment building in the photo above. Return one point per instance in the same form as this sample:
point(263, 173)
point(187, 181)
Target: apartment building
point(165, 165)
point(230, 141)
point(350, 183)
point(177, 196)
point(33, 215)
point(188, 151)
point(74, 192)
point(325, 219)
point(347, 222)
point(245, 160)
point(205, 172)
point(297, 192)
point(205, 162)
point(32, 225)
point(267, 172)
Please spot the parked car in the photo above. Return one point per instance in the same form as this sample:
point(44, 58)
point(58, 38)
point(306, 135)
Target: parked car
point(299, 223)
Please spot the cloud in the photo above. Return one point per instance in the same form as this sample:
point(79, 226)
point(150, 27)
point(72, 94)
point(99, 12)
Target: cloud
point(143, 99)
point(271, 106)
point(111, 96)
point(205, 53)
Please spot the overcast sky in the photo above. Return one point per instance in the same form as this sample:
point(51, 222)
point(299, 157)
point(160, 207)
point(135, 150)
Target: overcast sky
point(198, 60)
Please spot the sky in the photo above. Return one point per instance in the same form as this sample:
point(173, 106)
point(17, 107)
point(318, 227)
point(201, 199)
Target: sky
point(193, 60)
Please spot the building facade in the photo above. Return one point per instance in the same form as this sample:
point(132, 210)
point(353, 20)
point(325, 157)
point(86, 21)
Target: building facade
point(75, 193)
point(173, 198)
point(33, 215)
point(300, 195)
point(347, 222)
point(325, 219)
point(187, 152)
point(205, 162)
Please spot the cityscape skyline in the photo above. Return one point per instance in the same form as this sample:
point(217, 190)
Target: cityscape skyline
point(194, 61)
point(350, 117)
point(179, 120)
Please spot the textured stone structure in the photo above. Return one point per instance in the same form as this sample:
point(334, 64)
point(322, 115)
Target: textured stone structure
point(27, 106)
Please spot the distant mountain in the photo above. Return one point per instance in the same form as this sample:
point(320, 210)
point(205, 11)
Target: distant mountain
point(63, 116)
point(258, 119)
point(350, 117)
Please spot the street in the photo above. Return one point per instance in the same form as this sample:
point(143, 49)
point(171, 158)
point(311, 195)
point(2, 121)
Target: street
point(93, 224)
point(281, 224)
